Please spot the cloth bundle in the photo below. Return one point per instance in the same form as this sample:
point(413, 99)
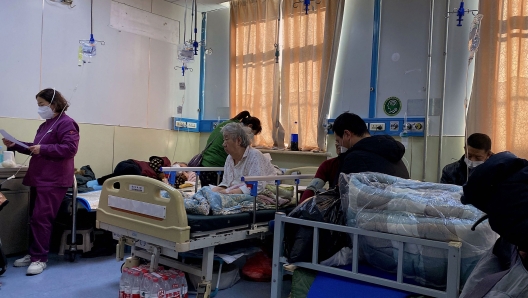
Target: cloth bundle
point(379, 202)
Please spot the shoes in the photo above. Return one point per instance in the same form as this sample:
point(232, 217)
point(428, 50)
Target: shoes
point(36, 268)
point(23, 262)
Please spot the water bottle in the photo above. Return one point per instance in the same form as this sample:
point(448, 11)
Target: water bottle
point(146, 284)
point(294, 140)
point(135, 283)
point(184, 288)
point(123, 283)
point(155, 288)
point(175, 285)
point(165, 284)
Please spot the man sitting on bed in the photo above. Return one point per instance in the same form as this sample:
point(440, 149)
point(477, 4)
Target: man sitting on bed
point(366, 153)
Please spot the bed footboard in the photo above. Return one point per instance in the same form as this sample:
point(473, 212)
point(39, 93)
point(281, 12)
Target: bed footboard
point(137, 205)
point(453, 265)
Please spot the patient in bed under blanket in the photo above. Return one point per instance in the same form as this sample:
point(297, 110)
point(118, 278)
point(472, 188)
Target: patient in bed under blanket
point(232, 195)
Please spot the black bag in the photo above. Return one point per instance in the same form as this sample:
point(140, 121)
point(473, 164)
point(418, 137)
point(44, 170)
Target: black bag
point(196, 161)
point(3, 260)
point(324, 207)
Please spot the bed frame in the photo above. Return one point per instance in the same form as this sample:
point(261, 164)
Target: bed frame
point(157, 228)
point(279, 260)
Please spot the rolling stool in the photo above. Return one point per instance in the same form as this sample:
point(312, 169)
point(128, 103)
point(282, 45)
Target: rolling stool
point(84, 241)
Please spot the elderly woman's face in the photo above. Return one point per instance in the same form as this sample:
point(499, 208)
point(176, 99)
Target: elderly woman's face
point(230, 144)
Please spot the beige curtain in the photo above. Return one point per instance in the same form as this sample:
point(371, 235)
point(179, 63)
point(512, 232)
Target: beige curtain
point(308, 62)
point(252, 59)
point(499, 104)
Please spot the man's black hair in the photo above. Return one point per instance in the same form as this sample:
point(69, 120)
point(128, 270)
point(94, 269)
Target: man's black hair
point(479, 141)
point(351, 122)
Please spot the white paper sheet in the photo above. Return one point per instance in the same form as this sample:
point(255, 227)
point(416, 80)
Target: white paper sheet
point(11, 138)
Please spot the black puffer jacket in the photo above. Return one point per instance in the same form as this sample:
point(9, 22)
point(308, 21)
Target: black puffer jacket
point(381, 154)
point(499, 187)
point(455, 173)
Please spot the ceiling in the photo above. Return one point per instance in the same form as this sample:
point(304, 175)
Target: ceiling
point(203, 5)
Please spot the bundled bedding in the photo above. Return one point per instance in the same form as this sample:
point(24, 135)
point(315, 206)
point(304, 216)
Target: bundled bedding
point(383, 203)
point(206, 201)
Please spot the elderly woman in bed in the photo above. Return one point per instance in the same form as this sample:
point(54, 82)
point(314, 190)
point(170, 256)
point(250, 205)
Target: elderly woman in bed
point(242, 160)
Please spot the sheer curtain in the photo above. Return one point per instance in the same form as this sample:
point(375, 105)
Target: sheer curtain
point(499, 105)
point(309, 53)
point(252, 70)
point(300, 86)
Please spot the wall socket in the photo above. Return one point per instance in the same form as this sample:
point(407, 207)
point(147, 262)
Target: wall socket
point(377, 126)
point(191, 125)
point(414, 126)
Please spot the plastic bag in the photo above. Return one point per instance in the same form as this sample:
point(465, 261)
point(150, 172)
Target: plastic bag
point(258, 268)
point(298, 240)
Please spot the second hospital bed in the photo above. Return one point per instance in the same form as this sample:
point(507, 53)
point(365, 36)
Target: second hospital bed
point(159, 229)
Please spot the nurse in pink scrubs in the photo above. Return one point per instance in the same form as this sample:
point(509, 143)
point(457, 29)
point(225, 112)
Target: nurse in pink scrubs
point(50, 173)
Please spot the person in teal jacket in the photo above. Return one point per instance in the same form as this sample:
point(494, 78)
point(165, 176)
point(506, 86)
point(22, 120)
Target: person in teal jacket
point(214, 154)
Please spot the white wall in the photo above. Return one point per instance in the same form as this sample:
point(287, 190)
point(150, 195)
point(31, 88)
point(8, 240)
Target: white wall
point(217, 65)
point(404, 30)
point(131, 81)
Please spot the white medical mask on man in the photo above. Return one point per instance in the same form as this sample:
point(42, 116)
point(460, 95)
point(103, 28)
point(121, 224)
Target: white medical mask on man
point(46, 112)
point(472, 164)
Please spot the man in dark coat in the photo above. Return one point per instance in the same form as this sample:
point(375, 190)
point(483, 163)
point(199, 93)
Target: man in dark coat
point(366, 153)
point(478, 151)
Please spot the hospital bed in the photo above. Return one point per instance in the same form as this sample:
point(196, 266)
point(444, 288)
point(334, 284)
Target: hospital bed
point(159, 229)
point(279, 260)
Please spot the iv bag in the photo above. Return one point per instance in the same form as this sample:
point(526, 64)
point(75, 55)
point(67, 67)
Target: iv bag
point(474, 36)
point(185, 53)
point(88, 49)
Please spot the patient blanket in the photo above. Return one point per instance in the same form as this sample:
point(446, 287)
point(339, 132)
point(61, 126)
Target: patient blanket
point(383, 203)
point(206, 201)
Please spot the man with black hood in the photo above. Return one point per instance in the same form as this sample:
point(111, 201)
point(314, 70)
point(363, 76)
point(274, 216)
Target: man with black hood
point(366, 153)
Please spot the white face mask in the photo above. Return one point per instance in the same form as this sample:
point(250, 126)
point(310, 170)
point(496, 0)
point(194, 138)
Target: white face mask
point(472, 164)
point(45, 112)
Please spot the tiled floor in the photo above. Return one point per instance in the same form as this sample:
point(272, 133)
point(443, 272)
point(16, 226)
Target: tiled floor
point(95, 277)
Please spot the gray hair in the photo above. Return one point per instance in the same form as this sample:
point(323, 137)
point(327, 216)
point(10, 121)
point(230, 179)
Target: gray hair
point(237, 130)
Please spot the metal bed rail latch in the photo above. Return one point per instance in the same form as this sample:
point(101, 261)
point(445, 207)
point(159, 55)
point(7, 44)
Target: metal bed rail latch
point(204, 290)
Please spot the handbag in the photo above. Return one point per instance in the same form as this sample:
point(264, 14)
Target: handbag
point(196, 161)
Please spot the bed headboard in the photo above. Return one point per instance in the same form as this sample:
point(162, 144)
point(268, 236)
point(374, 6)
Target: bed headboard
point(137, 205)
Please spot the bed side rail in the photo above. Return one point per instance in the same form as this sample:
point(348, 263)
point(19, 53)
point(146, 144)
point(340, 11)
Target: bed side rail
point(453, 264)
point(137, 205)
point(253, 181)
point(197, 170)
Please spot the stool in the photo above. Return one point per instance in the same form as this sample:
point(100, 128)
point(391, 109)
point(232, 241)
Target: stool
point(84, 241)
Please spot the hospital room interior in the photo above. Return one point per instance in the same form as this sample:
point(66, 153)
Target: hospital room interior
point(263, 148)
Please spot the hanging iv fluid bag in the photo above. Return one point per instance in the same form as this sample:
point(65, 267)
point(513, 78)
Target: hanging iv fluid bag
point(474, 36)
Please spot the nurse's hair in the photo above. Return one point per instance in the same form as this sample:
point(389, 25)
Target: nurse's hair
point(234, 131)
point(245, 118)
point(54, 97)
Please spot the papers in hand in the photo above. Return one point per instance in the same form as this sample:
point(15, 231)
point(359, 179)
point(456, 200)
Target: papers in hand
point(11, 138)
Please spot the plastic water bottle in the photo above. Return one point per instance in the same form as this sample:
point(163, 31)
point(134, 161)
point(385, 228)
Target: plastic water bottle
point(146, 284)
point(155, 289)
point(175, 285)
point(184, 289)
point(135, 283)
point(123, 283)
point(294, 140)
